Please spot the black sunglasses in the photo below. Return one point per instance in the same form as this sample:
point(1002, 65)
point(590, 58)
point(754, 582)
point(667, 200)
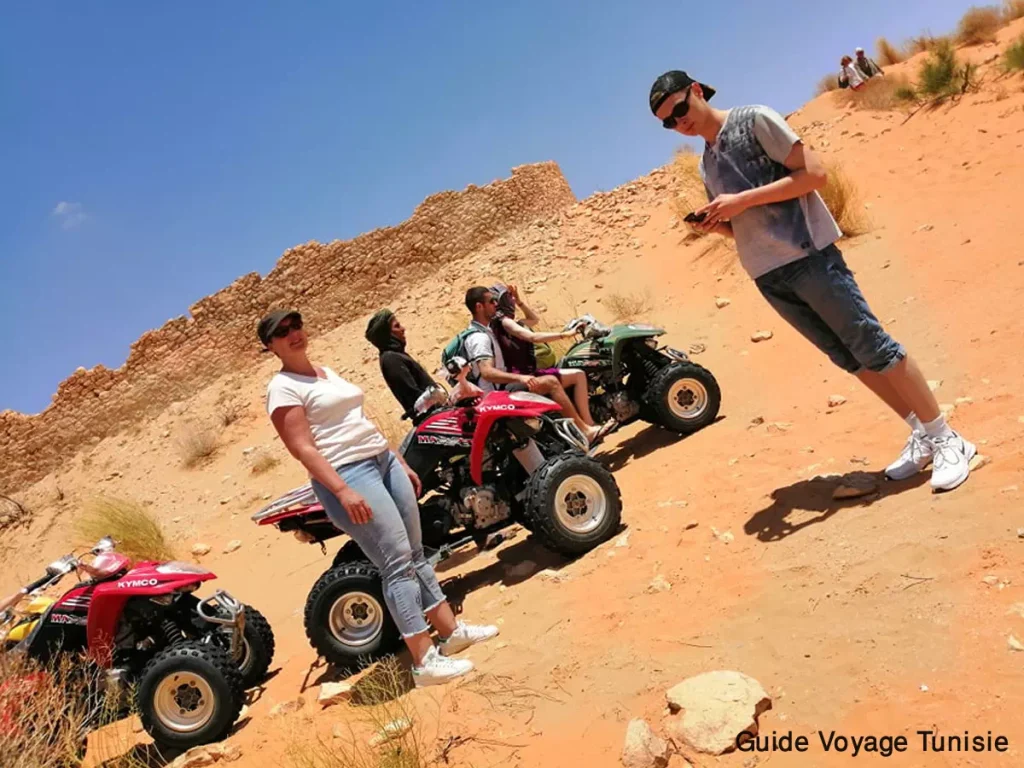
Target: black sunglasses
point(283, 330)
point(678, 111)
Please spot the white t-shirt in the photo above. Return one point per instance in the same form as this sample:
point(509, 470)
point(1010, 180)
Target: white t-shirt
point(480, 346)
point(853, 75)
point(334, 409)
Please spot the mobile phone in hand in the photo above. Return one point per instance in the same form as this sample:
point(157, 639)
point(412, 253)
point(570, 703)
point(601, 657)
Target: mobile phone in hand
point(695, 218)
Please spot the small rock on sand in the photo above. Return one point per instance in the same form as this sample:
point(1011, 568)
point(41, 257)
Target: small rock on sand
point(721, 302)
point(691, 525)
point(712, 709)
point(287, 707)
point(978, 462)
point(623, 540)
point(332, 693)
point(855, 485)
point(197, 757)
point(232, 546)
point(1014, 643)
point(934, 384)
point(659, 584)
point(393, 730)
point(834, 401)
point(642, 748)
point(201, 549)
point(761, 336)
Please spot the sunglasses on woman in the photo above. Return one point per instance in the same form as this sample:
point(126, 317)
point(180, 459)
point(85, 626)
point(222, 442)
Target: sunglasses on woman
point(678, 111)
point(283, 330)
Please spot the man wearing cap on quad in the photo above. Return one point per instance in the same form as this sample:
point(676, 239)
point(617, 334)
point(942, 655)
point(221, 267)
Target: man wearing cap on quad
point(867, 67)
point(763, 186)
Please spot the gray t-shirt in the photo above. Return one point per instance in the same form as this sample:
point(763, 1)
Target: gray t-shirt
point(749, 152)
point(480, 346)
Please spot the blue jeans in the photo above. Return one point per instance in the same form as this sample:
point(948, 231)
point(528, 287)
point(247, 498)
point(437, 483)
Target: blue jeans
point(391, 539)
point(819, 297)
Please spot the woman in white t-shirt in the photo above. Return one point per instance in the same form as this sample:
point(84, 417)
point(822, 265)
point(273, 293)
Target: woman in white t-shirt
point(367, 490)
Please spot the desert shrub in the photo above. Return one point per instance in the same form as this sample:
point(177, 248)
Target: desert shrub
point(1013, 57)
point(687, 186)
point(843, 200)
point(827, 83)
point(264, 461)
point(924, 43)
point(938, 72)
point(626, 307)
point(879, 93)
point(1013, 9)
point(979, 25)
point(135, 529)
point(195, 443)
point(887, 53)
point(228, 412)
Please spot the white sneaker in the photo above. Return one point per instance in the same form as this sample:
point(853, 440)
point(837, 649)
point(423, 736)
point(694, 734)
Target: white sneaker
point(466, 635)
point(917, 454)
point(437, 670)
point(952, 456)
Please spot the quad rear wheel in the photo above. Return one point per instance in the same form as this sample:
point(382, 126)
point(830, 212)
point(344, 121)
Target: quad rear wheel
point(683, 397)
point(347, 620)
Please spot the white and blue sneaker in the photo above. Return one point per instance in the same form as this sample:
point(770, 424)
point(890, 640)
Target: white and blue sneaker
point(951, 461)
point(466, 635)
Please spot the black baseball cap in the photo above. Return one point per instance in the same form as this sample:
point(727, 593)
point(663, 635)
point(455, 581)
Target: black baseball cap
point(673, 82)
point(269, 323)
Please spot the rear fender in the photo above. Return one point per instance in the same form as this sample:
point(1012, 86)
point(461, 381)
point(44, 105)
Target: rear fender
point(502, 405)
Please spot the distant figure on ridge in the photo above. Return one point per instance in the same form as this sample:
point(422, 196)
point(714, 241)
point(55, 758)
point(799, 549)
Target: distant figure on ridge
point(865, 66)
point(849, 76)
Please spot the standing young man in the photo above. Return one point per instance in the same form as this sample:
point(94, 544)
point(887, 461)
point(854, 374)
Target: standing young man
point(763, 186)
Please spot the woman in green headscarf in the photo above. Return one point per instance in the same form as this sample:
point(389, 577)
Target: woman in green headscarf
point(406, 378)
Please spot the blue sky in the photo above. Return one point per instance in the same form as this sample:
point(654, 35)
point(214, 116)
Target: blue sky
point(152, 153)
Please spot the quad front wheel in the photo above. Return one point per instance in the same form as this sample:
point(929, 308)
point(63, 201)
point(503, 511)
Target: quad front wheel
point(683, 397)
point(573, 503)
point(189, 694)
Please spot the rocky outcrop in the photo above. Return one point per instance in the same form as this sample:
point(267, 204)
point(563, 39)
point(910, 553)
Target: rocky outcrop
point(331, 283)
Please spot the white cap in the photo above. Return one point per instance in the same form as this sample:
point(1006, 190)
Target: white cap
point(858, 50)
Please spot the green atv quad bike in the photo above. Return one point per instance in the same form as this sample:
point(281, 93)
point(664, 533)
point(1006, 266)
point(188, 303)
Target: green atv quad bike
point(629, 377)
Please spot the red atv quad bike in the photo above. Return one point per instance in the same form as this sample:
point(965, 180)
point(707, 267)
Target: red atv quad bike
point(485, 463)
point(140, 624)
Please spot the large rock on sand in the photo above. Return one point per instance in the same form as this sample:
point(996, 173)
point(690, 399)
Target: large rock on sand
point(713, 709)
point(643, 749)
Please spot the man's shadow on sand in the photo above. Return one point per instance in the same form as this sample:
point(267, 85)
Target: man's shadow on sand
point(774, 522)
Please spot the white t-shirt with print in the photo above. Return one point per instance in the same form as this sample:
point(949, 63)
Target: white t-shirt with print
point(334, 409)
point(480, 346)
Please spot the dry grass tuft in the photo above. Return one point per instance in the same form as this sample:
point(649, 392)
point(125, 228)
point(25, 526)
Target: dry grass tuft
point(979, 25)
point(195, 443)
point(887, 53)
point(626, 307)
point(1013, 9)
point(1013, 56)
point(135, 529)
point(843, 200)
point(879, 93)
point(381, 703)
point(924, 43)
point(12, 513)
point(229, 412)
point(264, 461)
point(827, 83)
point(50, 712)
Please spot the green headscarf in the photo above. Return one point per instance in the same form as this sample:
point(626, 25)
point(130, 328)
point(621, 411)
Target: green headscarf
point(378, 330)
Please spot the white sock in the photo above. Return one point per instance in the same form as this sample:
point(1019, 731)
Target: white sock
point(938, 428)
point(915, 423)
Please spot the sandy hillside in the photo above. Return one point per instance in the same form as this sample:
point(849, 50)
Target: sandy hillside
point(868, 617)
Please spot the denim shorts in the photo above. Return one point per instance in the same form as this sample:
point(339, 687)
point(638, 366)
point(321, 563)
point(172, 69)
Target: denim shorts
point(819, 297)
